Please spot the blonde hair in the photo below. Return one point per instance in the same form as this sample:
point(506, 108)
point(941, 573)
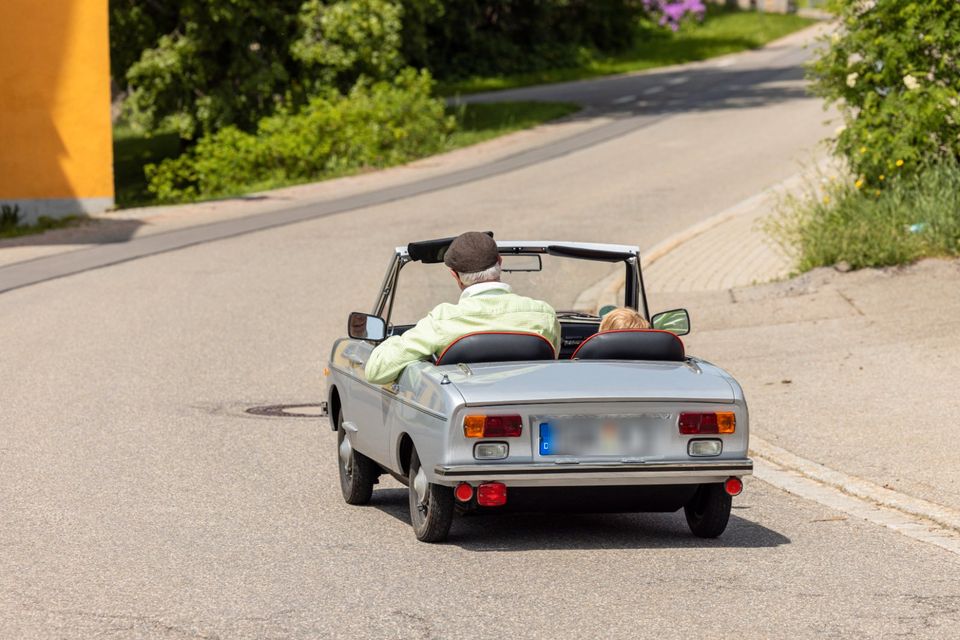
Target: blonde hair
point(623, 318)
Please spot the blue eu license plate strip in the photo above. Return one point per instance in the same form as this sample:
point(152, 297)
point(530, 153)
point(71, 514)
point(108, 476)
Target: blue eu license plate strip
point(546, 439)
point(592, 437)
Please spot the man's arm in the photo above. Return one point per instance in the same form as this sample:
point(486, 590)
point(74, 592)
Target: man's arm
point(388, 359)
point(557, 336)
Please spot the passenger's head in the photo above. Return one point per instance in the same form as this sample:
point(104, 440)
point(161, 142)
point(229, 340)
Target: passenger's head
point(473, 258)
point(623, 318)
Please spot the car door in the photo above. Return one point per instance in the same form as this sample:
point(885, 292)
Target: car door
point(368, 405)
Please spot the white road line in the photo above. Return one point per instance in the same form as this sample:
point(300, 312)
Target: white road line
point(919, 519)
point(624, 99)
point(677, 80)
point(652, 90)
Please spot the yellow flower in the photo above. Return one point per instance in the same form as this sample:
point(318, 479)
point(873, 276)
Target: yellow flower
point(826, 199)
point(899, 163)
point(858, 183)
point(877, 192)
point(882, 178)
point(863, 150)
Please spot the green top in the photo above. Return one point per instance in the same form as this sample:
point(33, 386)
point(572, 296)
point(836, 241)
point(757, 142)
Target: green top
point(487, 306)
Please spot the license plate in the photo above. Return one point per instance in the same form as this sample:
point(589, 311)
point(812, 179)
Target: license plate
point(591, 437)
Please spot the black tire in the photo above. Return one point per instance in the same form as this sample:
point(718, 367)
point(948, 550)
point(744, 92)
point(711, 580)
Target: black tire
point(708, 511)
point(358, 474)
point(431, 516)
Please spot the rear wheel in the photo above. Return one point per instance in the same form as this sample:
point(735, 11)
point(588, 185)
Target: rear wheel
point(358, 473)
point(431, 505)
point(708, 511)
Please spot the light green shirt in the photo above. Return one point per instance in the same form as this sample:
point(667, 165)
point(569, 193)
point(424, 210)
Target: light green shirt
point(487, 306)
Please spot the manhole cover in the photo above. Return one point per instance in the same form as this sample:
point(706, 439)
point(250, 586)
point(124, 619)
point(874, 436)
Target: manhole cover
point(312, 410)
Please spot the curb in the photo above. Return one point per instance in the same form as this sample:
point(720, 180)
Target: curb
point(604, 292)
point(854, 486)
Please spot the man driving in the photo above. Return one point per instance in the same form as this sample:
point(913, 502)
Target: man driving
point(485, 304)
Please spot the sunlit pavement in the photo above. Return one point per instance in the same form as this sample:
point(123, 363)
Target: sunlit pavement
point(139, 499)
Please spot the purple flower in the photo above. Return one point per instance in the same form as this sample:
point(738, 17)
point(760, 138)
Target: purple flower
point(672, 12)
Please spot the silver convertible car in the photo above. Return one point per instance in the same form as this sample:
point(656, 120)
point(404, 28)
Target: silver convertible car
point(618, 421)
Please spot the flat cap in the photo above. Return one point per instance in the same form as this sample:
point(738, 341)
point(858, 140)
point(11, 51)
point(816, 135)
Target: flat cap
point(471, 252)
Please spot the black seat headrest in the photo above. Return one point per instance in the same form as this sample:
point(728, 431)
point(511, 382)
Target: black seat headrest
point(497, 346)
point(631, 344)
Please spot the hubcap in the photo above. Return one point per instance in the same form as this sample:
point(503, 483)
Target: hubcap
point(346, 455)
point(420, 486)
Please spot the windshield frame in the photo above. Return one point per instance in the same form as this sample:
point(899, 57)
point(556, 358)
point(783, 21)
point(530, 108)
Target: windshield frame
point(634, 293)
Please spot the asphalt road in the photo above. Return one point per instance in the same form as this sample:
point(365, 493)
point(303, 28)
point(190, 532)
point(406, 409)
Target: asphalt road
point(138, 499)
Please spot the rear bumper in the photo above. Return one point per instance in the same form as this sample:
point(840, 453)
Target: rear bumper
point(594, 474)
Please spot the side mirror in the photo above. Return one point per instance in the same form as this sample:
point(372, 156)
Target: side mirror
point(363, 326)
point(675, 321)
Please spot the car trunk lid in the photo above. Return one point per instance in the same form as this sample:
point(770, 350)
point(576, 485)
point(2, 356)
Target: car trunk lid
point(578, 380)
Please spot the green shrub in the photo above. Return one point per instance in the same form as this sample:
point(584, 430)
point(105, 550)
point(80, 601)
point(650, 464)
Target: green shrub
point(892, 68)
point(196, 66)
point(374, 125)
point(917, 216)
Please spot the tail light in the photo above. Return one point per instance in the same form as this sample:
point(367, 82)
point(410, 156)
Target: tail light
point(492, 494)
point(697, 423)
point(492, 426)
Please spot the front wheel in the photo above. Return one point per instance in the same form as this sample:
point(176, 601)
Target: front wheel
point(708, 511)
point(358, 473)
point(431, 505)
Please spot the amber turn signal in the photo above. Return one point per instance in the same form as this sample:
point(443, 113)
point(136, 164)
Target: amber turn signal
point(726, 422)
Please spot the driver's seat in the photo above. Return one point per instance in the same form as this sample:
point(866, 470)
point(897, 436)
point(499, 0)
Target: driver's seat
point(497, 346)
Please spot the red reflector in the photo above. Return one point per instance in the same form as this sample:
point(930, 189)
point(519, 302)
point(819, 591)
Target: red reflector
point(492, 494)
point(733, 486)
point(502, 427)
point(463, 492)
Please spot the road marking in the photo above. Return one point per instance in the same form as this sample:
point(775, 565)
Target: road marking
point(677, 80)
point(913, 517)
point(624, 99)
point(652, 90)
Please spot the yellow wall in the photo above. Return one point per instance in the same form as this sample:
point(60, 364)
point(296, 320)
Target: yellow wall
point(55, 131)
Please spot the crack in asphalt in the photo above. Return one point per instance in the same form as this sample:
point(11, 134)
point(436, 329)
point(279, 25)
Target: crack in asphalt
point(417, 623)
point(124, 623)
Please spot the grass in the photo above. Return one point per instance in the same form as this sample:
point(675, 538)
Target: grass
point(724, 31)
point(479, 122)
point(43, 223)
point(914, 217)
point(476, 123)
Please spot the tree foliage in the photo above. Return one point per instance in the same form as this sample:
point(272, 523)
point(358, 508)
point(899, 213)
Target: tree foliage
point(471, 37)
point(342, 41)
point(199, 65)
point(208, 64)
